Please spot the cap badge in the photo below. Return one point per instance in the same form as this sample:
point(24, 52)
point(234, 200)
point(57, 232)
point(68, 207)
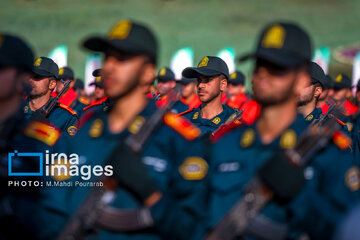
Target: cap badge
point(204, 62)
point(274, 37)
point(61, 71)
point(121, 30)
point(233, 75)
point(98, 79)
point(162, 72)
point(338, 78)
point(37, 62)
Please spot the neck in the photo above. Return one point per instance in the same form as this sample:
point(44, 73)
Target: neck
point(275, 119)
point(188, 99)
point(320, 103)
point(9, 107)
point(308, 108)
point(212, 108)
point(36, 103)
point(125, 109)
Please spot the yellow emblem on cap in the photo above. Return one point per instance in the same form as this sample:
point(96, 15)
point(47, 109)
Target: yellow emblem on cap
point(98, 79)
point(288, 139)
point(61, 71)
point(338, 78)
point(193, 168)
point(96, 128)
point(121, 30)
point(216, 120)
point(274, 37)
point(136, 124)
point(352, 179)
point(196, 116)
point(309, 118)
point(247, 138)
point(204, 62)
point(162, 72)
point(37, 62)
point(233, 75)
point(72, 130)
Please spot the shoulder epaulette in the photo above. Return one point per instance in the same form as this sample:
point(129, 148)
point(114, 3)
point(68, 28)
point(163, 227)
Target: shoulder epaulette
point(84, 100)
point(67, 108)
point(44, 132)
point(183, 113)
point(341, 140)
point(96, 104)
point(182, 125)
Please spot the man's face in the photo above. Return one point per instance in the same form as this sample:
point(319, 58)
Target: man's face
point(210, 87)
point(40, 86)
point(187, 90)
point(273, 84)
point(99, 93)
point(8, 81)
point(235, 90)
point(324, 95)
point(164, 87)
point(122, 73)
point(306, 95)
point(340, 94)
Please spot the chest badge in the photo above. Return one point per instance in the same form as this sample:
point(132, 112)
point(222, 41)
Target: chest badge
point(193, 168)
point(248, 137)
point(96, 128)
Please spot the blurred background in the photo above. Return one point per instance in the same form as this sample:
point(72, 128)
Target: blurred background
point(204, 25)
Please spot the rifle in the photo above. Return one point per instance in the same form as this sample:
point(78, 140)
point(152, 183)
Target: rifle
point(236, 116)
point(260, 190)
point(94, 212)
point(49, 106)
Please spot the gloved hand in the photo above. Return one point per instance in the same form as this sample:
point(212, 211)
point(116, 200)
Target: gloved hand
point(284, 179)
point(38, 116)
point(130, 171)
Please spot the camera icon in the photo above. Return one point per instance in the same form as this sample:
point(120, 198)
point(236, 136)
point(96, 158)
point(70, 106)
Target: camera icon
point(15, 159)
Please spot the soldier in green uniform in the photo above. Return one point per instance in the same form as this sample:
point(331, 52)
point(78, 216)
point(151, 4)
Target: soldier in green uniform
point(43, 82)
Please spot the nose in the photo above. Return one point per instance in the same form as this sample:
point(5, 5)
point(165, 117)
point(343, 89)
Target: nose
point(108, 65)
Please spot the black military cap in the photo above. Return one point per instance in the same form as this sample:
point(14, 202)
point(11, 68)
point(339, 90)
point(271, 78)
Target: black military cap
point(126, 36)
point(66, 73)
point(237, 78)
point(284, 44)
point(166, 74)
point(186, 81)
point(342, 81)
point(97, 72)
point(79, 84)
point(15, 52)
point(317, 74)
point(329, 82)
point(208, 66)
point(46, 67)
point(97, 82)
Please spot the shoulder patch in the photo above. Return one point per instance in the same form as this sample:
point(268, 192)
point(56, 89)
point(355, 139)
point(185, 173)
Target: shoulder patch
point(84, 100)
point(352, 179)
point(182, 125)
point(288, 139)
point(183, 113)
point(86, 108)
point(44, 132)
point(341, 140)
point(193, 168)
point(248, 137)
point(67, 108)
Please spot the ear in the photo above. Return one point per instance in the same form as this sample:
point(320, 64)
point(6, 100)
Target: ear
point(52, 84)
point(223, 84)
point(317, 92)
point(303, 80)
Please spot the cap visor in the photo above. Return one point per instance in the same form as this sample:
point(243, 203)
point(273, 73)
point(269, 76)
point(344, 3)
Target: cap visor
point(195, 72)
point(43, 73)
point(101, 44)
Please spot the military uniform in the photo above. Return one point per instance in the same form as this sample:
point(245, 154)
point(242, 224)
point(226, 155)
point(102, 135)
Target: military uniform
point(208, 125)
point(316, 114)
point(61, 116)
